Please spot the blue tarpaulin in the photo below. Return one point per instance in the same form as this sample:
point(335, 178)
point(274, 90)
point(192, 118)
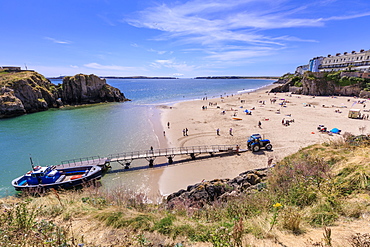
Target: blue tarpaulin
point(335, 131)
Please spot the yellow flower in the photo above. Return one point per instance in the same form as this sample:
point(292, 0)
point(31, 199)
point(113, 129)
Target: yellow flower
point(277, 205)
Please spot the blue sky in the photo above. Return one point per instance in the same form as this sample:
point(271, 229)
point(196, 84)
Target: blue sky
point(178, 38)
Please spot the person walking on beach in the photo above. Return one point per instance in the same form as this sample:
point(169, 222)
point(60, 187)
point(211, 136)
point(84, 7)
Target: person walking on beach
point(218, 131)
point(168, 124)
point(259, 124)
point(186, 131)
point(231, 131)
point(183, 132)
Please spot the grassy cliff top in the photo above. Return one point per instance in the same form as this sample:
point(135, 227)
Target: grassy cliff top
point(8, 77)
point(317, 196)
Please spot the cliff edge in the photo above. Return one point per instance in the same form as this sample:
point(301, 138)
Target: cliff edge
point(27, 92)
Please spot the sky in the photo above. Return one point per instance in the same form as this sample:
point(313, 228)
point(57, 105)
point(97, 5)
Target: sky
point(182, 38)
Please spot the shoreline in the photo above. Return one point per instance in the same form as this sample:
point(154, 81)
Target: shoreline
point(305, 113)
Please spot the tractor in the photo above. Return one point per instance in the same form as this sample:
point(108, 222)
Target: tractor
point(255, 143)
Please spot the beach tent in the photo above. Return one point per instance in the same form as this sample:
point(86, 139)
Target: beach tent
point(247, 111)
point(354, 113)
point(335, 131)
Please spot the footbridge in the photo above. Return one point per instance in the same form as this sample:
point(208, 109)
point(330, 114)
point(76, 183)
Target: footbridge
point(125, 159)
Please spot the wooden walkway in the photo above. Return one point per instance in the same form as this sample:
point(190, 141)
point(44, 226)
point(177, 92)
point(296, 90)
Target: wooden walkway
point(125, 159)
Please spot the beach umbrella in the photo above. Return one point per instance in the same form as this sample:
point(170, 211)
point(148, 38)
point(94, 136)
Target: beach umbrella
point(246, 110)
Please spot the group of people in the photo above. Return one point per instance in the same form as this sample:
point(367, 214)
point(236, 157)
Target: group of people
point(185, 132)
point(230, 131)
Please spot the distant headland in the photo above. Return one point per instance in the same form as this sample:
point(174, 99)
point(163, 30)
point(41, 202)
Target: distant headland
point(239, 77)
point(124, 77)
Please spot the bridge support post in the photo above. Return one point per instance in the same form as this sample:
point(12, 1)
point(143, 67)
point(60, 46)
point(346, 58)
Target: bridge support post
point(127, 165)
point(151, 162)
point(212, 154)
point(170, 160)
point(192, 155)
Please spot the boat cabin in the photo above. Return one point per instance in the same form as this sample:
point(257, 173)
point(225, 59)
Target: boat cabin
point(42, 175)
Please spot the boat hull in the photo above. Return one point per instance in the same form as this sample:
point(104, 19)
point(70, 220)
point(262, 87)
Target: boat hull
point(92, 173)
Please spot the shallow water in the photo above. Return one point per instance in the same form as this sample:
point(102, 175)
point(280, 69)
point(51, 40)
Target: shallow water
point(76, 132)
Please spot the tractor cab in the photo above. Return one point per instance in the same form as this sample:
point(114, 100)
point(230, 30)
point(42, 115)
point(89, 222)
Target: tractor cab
point(255, 143)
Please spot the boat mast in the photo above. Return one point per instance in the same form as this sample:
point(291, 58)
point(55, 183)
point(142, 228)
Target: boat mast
point(31, 162)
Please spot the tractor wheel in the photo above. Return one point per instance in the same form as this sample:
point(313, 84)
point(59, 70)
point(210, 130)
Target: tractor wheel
point(268, 146)
point(256, 148)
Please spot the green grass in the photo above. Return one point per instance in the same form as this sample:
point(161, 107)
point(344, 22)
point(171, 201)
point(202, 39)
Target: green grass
point(316, 186)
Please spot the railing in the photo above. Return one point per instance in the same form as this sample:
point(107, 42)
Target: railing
point(171, 152)
point(83, 161)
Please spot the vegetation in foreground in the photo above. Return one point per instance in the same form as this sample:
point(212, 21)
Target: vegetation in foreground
point(317, 187)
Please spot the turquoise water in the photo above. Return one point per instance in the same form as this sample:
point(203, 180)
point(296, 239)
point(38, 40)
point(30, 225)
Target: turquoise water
point(76, 132)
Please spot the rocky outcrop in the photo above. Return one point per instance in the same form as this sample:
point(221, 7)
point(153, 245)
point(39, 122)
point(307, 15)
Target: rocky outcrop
point(317, 84)
point(87, 89)
point(27, 92)
point(201, 194)
point(365, 94)
point(10, 106)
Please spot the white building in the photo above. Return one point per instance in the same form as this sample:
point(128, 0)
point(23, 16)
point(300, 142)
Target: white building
point(359, 61)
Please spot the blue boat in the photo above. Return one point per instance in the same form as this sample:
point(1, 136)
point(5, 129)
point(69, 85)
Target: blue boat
point(43, 178)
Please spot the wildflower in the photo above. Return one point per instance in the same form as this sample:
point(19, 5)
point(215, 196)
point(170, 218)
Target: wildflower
point(277, 205)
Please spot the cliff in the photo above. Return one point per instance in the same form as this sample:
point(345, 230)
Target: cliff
point(88, 89)
point(27, 92)
point(325, 84)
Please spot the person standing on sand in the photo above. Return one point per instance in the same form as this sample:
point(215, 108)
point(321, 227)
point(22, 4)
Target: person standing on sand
point(231, 131)
point(168, 124)
point(218, 132)
point(259, 124)
point(183, 132)
point(186, 131)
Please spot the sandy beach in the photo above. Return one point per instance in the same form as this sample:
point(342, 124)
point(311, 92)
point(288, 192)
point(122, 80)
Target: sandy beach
point(203, 117)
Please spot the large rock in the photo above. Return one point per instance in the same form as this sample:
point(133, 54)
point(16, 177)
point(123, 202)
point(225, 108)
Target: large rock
point(86, 89)
point(10, 106)
point(27, 92)
point(206, 192)
point(317, 84)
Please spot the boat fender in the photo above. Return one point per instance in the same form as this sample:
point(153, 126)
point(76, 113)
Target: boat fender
point(37, 168)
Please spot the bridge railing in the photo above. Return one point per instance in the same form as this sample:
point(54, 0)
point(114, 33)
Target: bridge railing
point(83, 161)
point(171, 152)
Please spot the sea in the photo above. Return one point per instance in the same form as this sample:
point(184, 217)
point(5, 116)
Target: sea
point(57, 135)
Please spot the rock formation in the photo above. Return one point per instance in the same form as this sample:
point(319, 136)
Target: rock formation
point(27, 92)
point(87, 89)
point(203, 193)
point(318, 84)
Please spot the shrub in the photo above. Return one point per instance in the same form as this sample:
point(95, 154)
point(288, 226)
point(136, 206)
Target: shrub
point(164, 225)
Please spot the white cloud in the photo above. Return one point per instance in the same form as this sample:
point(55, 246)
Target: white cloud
point(213, 24)
point(172, 64)
point(158, 52)
point(58, 41)
point(106, 67)
point(74, 66)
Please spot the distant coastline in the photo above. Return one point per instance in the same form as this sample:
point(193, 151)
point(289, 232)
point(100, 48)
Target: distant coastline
point(123, 77)
point(239, 77)
point(168, 77)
